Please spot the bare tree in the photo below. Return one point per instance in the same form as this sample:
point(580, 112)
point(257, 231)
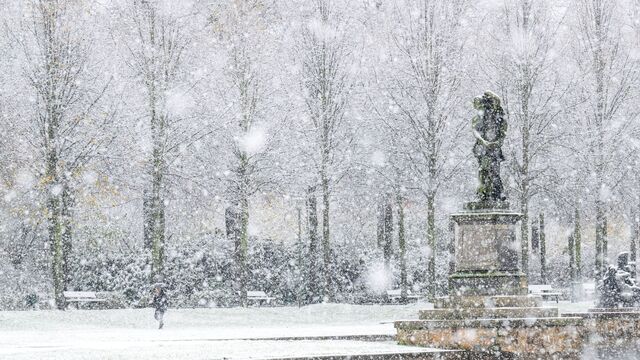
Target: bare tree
point(156, 57)
point(70, 132)
point(240, 26)
point(609, 73)
point(531, 89)
point(326, 87)
point(425, 89)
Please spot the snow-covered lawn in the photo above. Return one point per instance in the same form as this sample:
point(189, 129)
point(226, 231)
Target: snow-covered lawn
point(199, 333)
point(266, 332)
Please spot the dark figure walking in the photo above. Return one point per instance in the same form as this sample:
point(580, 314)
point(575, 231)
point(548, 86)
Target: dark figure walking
point(160, 303)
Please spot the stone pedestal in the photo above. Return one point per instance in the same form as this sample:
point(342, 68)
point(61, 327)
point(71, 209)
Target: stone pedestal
point(489, 310)
point(486, 254)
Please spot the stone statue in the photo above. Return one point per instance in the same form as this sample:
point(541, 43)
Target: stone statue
point(618, 288)
point(489, 129)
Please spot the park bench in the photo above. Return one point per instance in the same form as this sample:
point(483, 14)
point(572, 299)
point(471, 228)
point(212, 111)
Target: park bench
point(544, 291)
point(394, 296)
point(258, 297)
point(82, 297)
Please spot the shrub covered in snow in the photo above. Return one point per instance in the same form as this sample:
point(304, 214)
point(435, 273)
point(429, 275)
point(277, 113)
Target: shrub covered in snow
point(197, 275)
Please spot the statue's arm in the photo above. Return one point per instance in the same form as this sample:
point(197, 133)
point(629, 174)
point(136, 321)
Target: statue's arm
point(476, 133)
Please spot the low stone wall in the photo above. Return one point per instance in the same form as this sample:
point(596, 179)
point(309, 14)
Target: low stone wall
point(601, 332)
point(605, 328)
point(537, 338)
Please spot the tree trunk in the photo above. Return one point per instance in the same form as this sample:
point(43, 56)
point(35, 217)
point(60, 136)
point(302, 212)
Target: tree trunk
point(242, 254)
point(572, 267)
point(543, 251)
point(326, 242)
point(431, 243)
point(233, 225)
point(157, 214)
point(147, 219)
point(157, 164)
point(572, 251)
point(600, 98)
point(599, 241)
point(67, 235)
point(403, 251)
point(452, 247)
point(633, 246)
point(605, 244)
point(577, 239)
point(55, 230)
point(388, 234)
point(313, 279)
point(525, 85)
point(524, 236)
point(52, 97)
point(300, 249)
point(535, 236)
point(55, 238)
point(380, 227)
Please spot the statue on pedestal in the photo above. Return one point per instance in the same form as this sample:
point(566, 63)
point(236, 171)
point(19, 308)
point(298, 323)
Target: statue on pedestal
point(489, 128)
point(618, 288)
point(489, 312)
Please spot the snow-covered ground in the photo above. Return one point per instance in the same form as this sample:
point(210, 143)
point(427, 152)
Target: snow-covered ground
point(200, 333)
point(207, 333)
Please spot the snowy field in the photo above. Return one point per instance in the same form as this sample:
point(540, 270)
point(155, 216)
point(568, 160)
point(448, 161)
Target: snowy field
point(200, 333)
point(236, 333)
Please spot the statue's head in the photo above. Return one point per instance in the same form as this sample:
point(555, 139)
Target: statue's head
point(491, 101)
point(623, 259)
point(489, 105)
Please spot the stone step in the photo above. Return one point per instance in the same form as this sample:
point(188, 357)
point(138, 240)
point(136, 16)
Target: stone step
point(495, 301)
point(488, 313)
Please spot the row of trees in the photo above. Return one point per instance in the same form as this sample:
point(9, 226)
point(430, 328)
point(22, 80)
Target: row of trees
point(128, 125)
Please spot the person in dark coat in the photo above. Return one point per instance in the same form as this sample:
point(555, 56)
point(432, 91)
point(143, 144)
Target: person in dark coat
point(160, 303)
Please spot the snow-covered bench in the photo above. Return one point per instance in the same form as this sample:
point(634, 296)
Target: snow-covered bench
point(82, 297)
point(545, 291)
point(394, 295)
point(258, 297)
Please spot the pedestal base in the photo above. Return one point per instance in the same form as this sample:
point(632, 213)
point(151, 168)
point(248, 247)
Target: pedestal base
point(504, 324)
point(525, 337)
